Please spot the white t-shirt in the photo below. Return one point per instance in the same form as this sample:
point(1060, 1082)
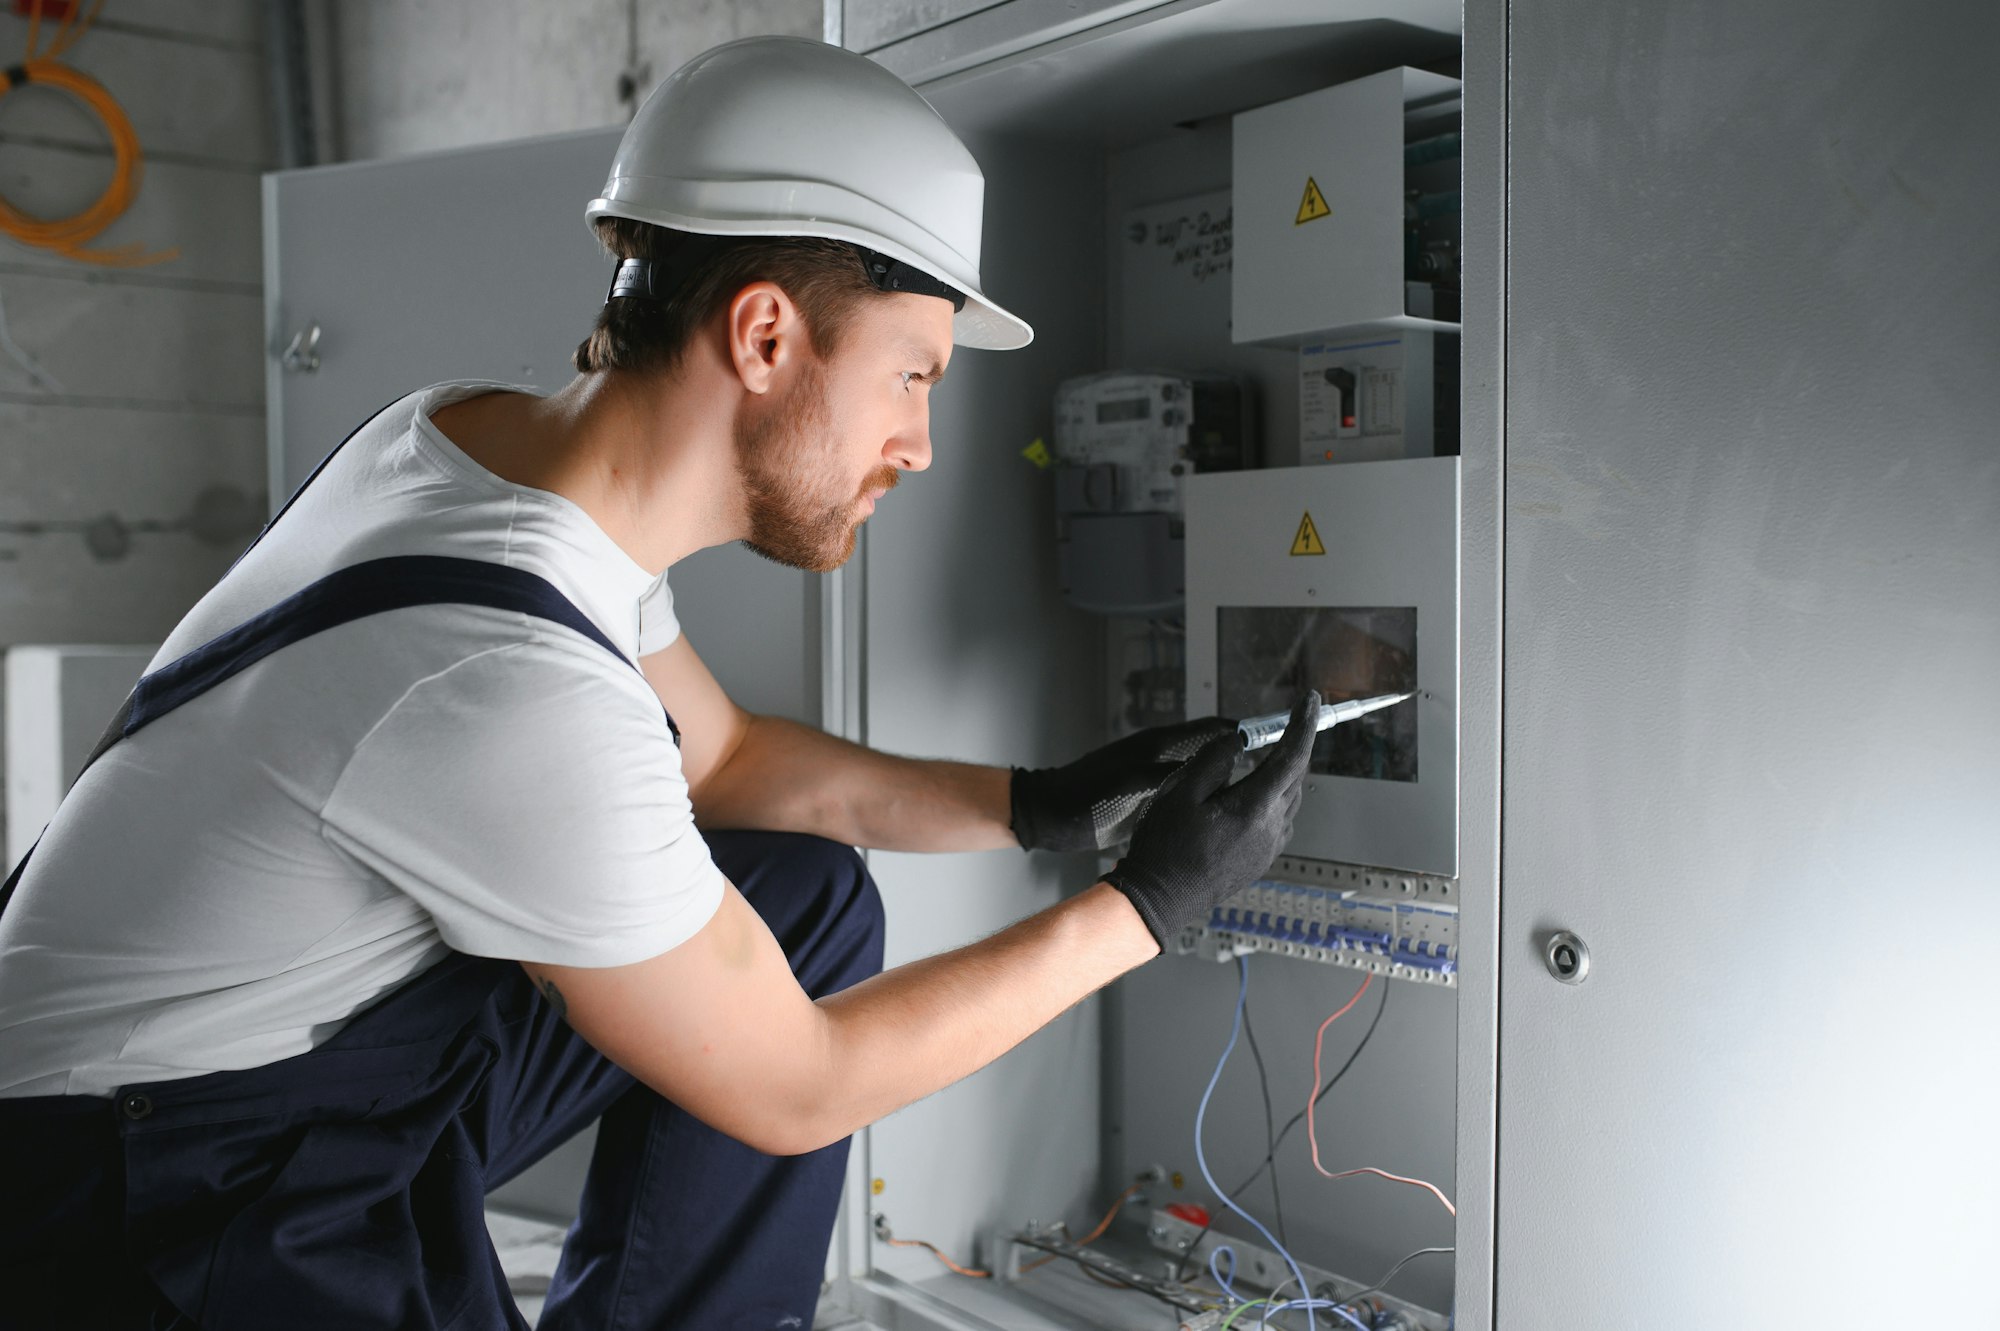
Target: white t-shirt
point(228, 886)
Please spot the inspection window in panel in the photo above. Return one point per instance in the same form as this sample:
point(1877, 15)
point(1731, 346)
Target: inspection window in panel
point(1268, 655)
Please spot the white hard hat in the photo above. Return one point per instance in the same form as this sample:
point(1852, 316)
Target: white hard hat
point(784, 136)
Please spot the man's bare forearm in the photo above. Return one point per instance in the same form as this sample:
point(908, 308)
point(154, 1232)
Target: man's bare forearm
point(720, 1026)
point(786, 777)
point(914, 1030)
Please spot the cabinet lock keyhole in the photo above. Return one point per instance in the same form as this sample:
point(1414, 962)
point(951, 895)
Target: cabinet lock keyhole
point(1568, 958)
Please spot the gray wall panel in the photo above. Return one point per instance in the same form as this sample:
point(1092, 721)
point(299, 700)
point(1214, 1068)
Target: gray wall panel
point(372, 253)
point(1753, 566)
point(971, 655)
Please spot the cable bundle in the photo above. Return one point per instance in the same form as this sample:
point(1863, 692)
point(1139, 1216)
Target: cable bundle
point(69, 236)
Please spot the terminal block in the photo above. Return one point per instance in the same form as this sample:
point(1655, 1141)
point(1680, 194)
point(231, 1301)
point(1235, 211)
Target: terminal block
point(1400, 925)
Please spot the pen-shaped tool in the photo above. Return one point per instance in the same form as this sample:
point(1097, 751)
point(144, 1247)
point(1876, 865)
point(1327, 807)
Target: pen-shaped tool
point(1259, 731)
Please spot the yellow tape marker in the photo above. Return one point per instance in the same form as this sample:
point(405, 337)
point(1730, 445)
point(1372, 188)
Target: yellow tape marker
point(1038, 453)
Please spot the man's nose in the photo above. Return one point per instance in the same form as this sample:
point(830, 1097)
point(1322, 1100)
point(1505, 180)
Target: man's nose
point(911, 448)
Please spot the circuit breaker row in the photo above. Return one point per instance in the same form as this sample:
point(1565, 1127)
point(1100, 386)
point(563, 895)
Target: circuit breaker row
point(1396, 925)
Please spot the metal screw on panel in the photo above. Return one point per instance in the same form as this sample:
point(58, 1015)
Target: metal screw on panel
point(1567, 957)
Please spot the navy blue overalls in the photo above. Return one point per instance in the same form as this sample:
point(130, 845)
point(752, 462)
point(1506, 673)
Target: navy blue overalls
point(345, 1187)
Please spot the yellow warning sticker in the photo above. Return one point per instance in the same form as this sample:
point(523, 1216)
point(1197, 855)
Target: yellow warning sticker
point(1038, 453)
point(1311, 208)
point(1307, 542)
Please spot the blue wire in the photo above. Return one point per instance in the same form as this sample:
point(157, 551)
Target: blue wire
point(1227, 1287)
point(1309, 1304)
point(1201, 1157)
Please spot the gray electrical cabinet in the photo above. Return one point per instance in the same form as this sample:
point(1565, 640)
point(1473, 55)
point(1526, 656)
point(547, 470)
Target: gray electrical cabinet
point(1706, 913)
point(1694, 1031)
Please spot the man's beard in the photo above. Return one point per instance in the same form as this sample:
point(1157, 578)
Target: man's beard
point(788, 461)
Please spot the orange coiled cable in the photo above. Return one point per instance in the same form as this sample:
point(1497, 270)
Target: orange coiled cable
point(70, 236)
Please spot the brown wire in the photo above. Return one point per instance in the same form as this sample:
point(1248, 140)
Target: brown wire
point(976, 1274)
point(1095, 1234)
point(934, 1251)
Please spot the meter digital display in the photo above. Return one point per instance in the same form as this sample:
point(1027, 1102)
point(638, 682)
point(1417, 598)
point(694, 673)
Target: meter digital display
point(1126, 409)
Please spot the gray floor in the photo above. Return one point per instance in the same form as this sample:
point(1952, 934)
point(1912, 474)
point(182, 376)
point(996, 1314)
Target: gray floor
point(528, 1249)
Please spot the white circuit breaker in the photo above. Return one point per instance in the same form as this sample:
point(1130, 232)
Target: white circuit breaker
point(1373, 397)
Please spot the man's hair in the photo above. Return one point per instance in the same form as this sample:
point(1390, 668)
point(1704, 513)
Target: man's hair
point(826, 279)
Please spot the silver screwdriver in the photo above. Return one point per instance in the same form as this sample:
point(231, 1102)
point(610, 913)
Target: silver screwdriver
point(1258, 731)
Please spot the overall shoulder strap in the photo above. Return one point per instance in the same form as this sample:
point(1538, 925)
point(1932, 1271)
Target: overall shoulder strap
point(393, 583)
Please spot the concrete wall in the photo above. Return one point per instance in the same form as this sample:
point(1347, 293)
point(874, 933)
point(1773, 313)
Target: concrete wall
point(453, 72)
point(132, 458)
point(132, 462)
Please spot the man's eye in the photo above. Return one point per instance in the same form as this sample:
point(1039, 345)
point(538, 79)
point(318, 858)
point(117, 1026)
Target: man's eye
point(909, 377)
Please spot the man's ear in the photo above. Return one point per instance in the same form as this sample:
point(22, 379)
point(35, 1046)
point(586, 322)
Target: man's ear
point(763, 328)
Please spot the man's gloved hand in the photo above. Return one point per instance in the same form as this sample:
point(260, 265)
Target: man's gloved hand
point(1094, 802)
point(1203, 840)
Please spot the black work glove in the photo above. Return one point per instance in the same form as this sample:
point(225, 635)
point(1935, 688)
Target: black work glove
point(1094, 802)
point(1203, 840)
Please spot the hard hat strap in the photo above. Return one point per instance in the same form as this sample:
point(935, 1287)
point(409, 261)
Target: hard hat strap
point(659, 279)
point(894, 275)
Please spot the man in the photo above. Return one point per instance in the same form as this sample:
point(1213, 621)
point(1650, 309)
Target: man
point(267, 1030)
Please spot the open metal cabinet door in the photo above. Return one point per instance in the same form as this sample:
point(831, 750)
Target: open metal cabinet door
point(477, 264)
point(1752, 564)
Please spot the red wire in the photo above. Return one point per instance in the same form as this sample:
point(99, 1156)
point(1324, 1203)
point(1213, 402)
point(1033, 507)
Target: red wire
point(1312, 1129)
point(1319, 1041)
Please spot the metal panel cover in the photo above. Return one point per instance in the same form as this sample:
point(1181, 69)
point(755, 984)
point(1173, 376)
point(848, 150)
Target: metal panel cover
point(1752, 568)
point(1386, 539)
